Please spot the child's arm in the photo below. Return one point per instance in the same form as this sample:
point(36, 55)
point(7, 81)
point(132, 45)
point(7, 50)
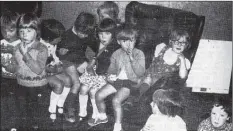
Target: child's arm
point(112, 69)
point(184, 66)
point(38, 65)
point(138, 63)
point(158, 49)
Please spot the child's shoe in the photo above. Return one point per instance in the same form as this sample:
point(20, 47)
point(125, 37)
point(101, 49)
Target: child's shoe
point(60, 110)
point(53, 116)
point(70, 115)
point(97, 121)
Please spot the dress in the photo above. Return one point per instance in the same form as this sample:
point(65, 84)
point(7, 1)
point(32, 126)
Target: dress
point(159, 68)
point(206, 125)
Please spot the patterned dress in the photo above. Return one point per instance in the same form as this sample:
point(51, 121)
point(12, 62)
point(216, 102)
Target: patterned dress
point(206, 125)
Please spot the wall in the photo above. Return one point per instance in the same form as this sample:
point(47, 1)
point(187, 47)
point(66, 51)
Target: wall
point(218, 24)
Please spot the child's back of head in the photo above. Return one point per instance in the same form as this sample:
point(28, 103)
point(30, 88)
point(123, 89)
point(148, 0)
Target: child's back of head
point(85, 23)
point(51, 29)
point(108, 9)
point(168, 101)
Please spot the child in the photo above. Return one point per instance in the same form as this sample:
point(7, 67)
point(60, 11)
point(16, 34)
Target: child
point(93, 82)
point(8, 80)
point(72, 54)
point(127, 66)
point(52, 30)
point(31, 57)
point(108, 9)
point(167, 60)
point(219, 119)
point(166, 106)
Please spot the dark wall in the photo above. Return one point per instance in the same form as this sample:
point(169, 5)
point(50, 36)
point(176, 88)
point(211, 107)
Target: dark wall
point(218, 15)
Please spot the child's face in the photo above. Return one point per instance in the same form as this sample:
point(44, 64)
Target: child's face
point(127, 45)
point(218, 116)
point(27, 35)
point(9, 33)
point(179, 45)
point(105, 37)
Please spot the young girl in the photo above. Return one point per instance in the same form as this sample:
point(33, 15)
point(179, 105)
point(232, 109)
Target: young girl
point(8, 80)
point(31, 57)
point(108, 9)
point(167, 60)
point(71, 51)
point(220, 118)
point(93, 82)
point(127, 66)
point(166, 106)
point(59, 81)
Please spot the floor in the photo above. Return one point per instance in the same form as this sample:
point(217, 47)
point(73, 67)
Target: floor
point(197, 106)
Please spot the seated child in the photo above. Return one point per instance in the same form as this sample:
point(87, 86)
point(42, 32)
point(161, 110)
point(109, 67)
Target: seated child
point(220, 117)
point(8, 22)
point(109, 9)
point(168, 59)
point(52, 30)
point(166, 106)
point(127, 66)
point(30, 56)
point(71, 51)
point(93, 82)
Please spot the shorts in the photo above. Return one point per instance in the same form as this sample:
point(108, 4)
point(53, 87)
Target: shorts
point(118, 84)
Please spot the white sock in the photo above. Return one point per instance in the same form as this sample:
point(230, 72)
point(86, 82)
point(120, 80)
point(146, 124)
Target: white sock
point(102, 116)
point(95, 109)
point(117, 127)
point(63, 96)
point(83, 105)
point(53, 102)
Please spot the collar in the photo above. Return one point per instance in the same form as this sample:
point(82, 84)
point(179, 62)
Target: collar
point(35, 44)
point(73, 30)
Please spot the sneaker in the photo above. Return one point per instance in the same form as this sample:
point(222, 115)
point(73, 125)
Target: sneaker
point(70, 115)
point(97, 121)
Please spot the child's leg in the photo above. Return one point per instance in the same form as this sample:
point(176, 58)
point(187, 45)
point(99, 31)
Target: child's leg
point(67, 84)
point(83, 99)
point(120, 96)
point(57, 87)
point(95, 111)
point(72, 72)
point(100, 96)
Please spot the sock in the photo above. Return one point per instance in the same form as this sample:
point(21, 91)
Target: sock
point(117, 127)
point(71, 98)
point(62, 98)
point(53, 102)
point(83, 105)
point(95, 109)
point(102, 116)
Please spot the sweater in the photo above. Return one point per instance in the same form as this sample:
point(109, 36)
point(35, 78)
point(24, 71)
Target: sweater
point(30, 67)
point(133, 69)
point(206, 125)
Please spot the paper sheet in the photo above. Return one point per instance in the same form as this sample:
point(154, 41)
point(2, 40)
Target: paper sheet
point(211, 69)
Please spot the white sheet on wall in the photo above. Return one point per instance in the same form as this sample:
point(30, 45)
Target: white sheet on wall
point(211, 69)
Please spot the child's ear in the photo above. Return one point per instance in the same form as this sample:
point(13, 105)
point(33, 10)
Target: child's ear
point(118, 42)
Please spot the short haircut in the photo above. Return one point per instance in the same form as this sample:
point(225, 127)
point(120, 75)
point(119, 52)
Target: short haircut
point(51, 29)
point(226, 104)
point(85, 23)
point(126, 33)
point(9, 19)
point(168, 101)
point(30, 20)
point(176, 34)
point(111, 8)
point(107, 25)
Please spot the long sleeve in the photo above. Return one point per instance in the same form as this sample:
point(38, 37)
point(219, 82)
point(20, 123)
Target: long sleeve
point(37, 65)
point(112, 68)
point(138, 64)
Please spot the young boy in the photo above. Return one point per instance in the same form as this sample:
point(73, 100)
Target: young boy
point(127, 66)
point(8, 43)
point(72, 54)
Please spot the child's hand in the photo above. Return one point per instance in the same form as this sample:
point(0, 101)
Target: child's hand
point(130, 54)
point(111, 78)
point(63, 51)
point(181, 57)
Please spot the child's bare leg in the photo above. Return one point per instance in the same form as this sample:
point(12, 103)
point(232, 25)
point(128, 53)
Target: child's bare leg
point(83, 99)
point(57, 87)
point(95, 111)
point(72, 72)
point(120, 96)
point(67, 85)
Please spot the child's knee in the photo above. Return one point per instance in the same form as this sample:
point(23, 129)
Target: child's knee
point(84, 90)
point(116, 102)
point(92, 92)
point(67, 81)
point(56, 86)
point(99, 96)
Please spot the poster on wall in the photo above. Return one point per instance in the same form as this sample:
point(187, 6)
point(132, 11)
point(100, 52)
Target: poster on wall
point(212, 66)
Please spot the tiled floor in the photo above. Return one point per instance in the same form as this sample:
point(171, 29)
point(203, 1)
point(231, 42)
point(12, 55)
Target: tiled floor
point(197, 106)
